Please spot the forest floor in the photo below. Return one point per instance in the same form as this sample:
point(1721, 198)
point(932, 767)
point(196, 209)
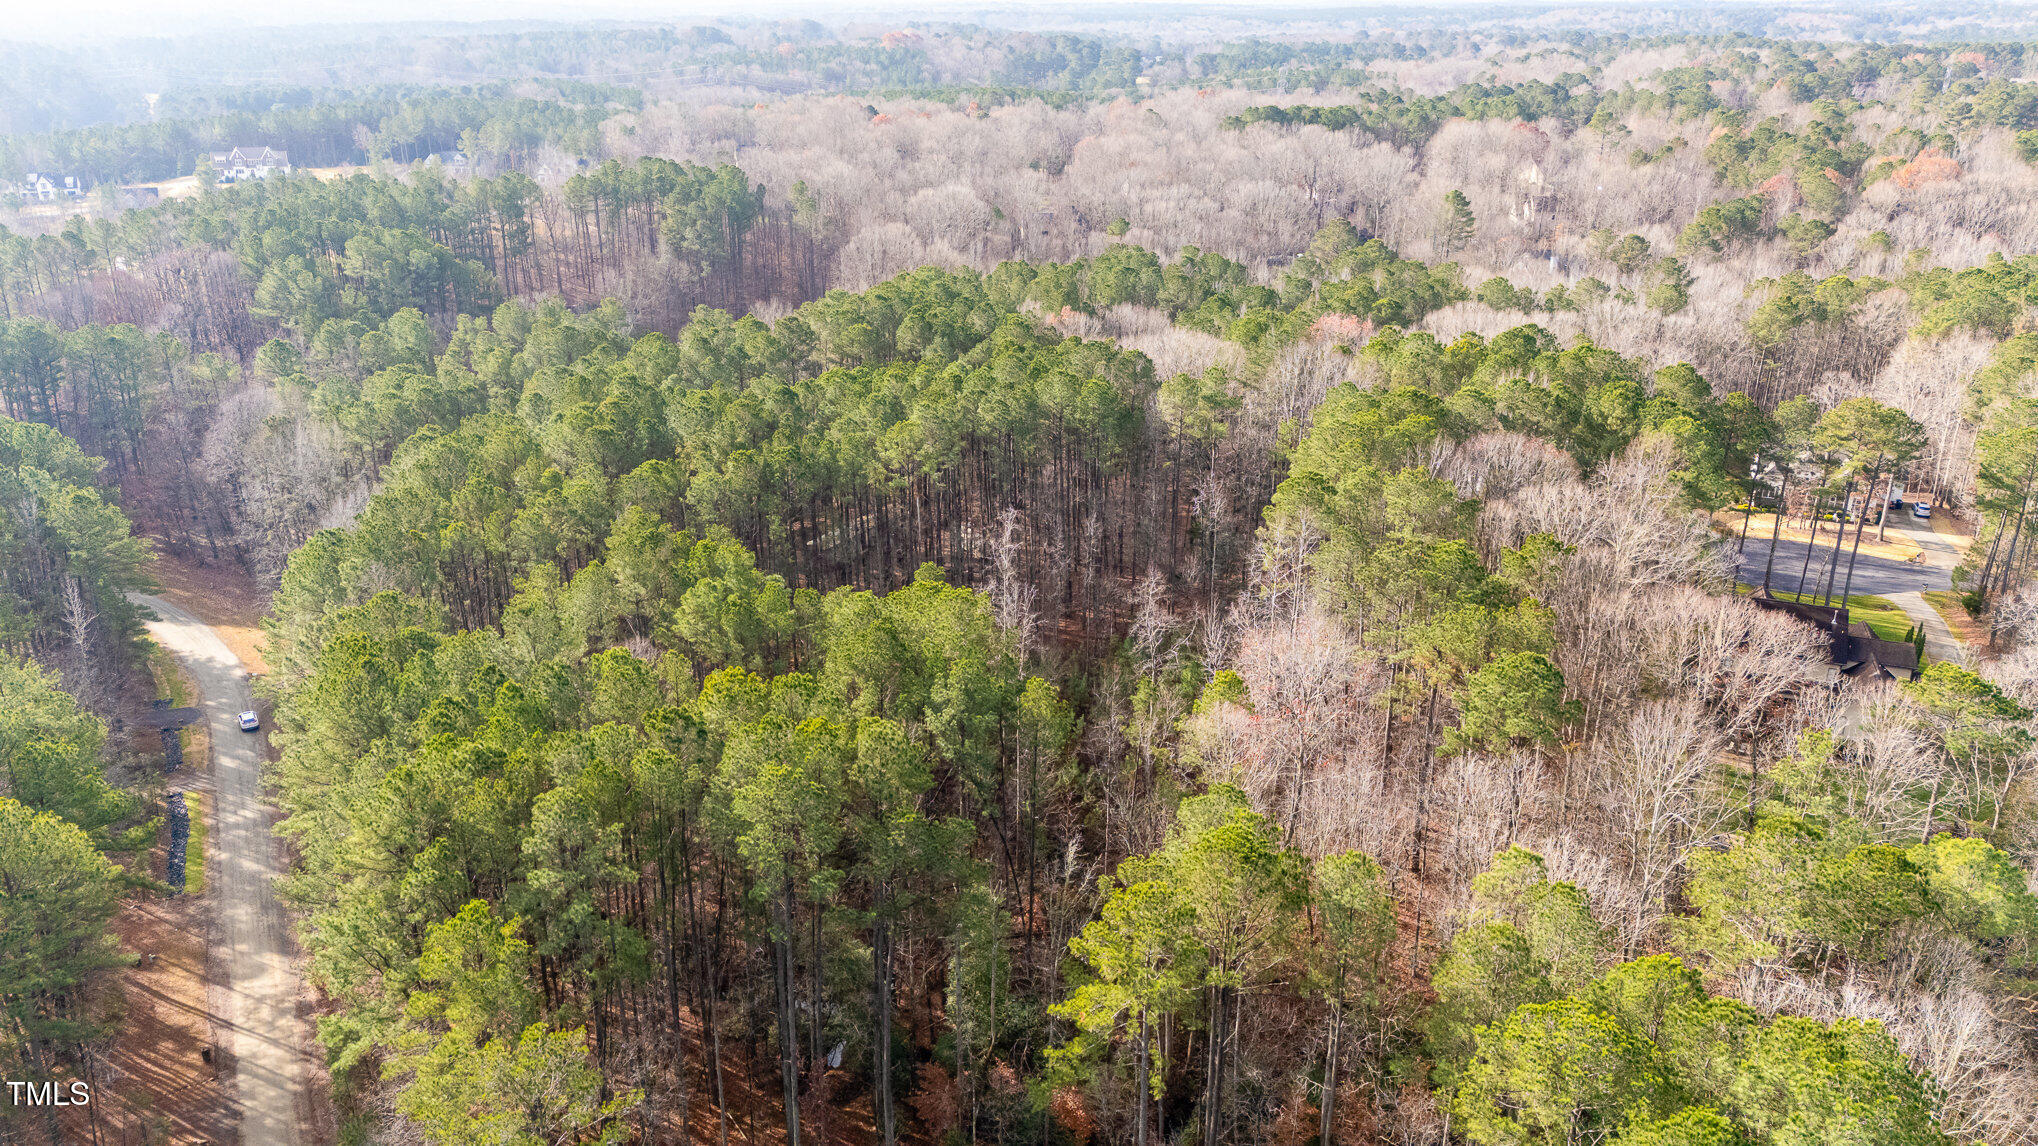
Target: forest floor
point(153, 1083)
point(750, 1083)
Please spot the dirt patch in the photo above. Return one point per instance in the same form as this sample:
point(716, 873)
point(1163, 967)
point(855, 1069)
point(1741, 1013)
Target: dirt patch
point(182, 187)
point(1760, 525)
point(223, 596)
point(154, 1084)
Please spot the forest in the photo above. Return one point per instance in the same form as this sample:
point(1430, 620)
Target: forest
point(1046, 582)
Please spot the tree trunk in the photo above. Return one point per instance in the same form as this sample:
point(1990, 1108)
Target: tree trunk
point(1213, 1066)
point(1811, 547)
point(788, 1044)
point(1139, 1096)
point(2010, 558)
point(1327, 1109)
point(881, 989)
point(1839, 538)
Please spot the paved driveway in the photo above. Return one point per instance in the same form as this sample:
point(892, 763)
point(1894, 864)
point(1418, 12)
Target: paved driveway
point(1879, 575)
point(1900, 581)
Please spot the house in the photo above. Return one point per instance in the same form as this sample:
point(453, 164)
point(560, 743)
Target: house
point(249, 163)
point(1532, 200)
point(1853, 651)
point(40, 188)
point(547, 170)
point(451, 160)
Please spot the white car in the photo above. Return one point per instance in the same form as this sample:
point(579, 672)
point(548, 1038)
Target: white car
point(1921, 509)
point(250, 722)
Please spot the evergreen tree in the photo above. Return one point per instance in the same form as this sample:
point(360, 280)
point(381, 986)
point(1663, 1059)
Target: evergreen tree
point(1455, 223)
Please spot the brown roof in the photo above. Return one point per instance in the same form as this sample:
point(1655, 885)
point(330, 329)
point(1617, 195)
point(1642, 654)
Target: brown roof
point(1851, 645)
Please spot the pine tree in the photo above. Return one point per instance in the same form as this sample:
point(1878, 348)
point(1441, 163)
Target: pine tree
point(1455, 224)
point(58, 896)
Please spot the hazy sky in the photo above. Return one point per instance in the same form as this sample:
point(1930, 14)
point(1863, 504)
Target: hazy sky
point(80, 19)
point(91, 18)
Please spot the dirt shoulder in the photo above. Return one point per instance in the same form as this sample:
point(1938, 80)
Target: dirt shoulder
point(155, 1083)
point(1964, 626)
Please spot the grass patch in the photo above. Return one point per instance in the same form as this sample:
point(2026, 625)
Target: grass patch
point(194, 845)
point(176, 684)
point(1880, 614)
point(168, 675)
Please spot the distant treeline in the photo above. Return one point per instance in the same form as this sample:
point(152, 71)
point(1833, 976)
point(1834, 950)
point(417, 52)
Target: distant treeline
point(1965, 97)
point(396, 124)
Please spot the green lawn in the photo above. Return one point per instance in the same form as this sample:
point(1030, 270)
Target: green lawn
point(1880, 614)
point(194, 845)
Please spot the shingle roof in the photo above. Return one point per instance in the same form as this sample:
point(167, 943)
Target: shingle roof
point(1850, 645)
point(262, 154)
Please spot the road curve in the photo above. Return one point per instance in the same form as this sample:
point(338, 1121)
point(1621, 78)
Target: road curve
point(268, 1041)
point(1940, 643)
point(1872, 575)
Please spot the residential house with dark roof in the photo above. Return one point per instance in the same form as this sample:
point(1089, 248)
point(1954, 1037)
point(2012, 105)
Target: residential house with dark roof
point(38, 187)
point(1853, 650)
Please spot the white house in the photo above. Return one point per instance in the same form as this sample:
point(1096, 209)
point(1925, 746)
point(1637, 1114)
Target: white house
point(452, 160)
point(39, 188)
point(249, 163)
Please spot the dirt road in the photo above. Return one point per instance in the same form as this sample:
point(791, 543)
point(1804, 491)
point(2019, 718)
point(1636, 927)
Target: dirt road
point(268, 1042)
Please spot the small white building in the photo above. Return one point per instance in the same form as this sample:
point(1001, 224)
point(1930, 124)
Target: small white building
point(1532, 201)
point(249, 163)
point(451, 160)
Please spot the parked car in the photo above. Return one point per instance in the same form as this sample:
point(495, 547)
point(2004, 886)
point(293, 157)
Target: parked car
point(1921, 509)
point(250, 722)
